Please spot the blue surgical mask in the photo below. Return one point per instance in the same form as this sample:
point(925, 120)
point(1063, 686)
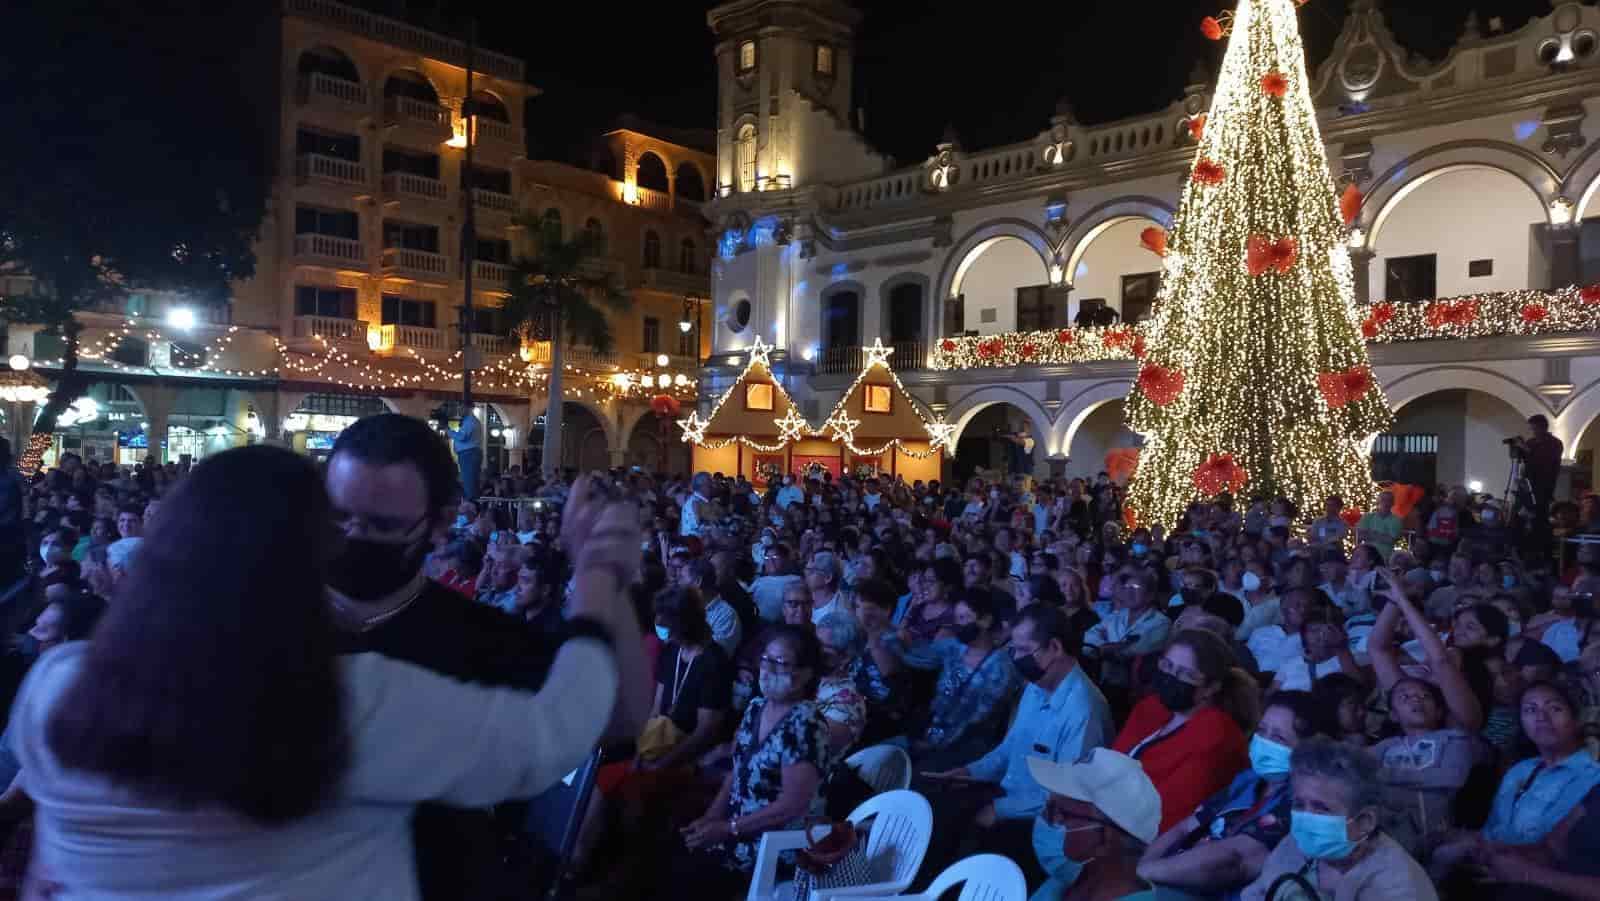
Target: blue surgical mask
point(1268, 758)
point(1514, 627)
point(1321, 836)
point(1140, 548)
point(1250, 581)
point(663, 633)
point(461, 521)
point(1508, 581)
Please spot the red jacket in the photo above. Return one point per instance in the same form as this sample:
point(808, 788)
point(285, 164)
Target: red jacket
point(1189, 765)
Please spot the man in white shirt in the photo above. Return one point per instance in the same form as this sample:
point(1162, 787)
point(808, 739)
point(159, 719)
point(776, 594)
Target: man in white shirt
point(1005, 543)
point(1330, 529)
point(767, 591)
point(823, 575)
point(1134, 628)
point(1272, 645)
point(697, 506)
point(790, 494)
point(1350, 599)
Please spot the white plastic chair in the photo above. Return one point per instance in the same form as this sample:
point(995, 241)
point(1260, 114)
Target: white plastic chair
point(988, 877)
point(884, 767)
point(902, 825)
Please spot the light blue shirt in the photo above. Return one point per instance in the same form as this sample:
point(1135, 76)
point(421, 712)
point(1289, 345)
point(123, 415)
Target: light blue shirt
point(790, 495)
point(1060, 727)
point(1528, 804)
point(467, 437)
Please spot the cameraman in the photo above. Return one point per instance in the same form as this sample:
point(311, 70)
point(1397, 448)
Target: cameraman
point(1542, 467)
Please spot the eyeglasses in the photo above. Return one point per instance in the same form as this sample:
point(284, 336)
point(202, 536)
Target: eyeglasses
point(775, 665)
point(376, 525)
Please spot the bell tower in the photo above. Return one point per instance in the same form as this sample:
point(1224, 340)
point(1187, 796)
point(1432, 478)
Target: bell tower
point(783, 91)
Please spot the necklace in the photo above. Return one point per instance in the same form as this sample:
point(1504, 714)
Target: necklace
point(363, 623)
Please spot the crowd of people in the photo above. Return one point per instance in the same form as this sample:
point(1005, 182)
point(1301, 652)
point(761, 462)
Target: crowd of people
point(286, 666)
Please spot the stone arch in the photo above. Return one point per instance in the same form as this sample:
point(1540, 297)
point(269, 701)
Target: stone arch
point(1578, 414)
point(650, 171)
point(1582, 181)
point(973, 243)
point(690, 183)
point(1388, 189)
point(491, 105)
point(406, 72)
point(1412, 386)
point(643, 448)
point(1078, 409)
point(305, 62)
point(825, 331)
point(886, 291)
point(1103, 216)
point(962, 412)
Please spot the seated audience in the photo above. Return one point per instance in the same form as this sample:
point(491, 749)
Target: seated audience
point(1102, 813)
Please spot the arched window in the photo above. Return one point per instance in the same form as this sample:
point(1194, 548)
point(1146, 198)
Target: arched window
point(688, 257)
point(652, 250)
point(330, 61)
point(412, 85)
point(651, 172)
point(746, 154)
point(596, 233)
point(690, 185)
point(747, 56)
point(551, 232)
point(489, 106)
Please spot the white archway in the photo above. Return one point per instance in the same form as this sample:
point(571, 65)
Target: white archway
point(1407, 175)
point(1080, 407)
point(1406, 388)
point(1098, 219)
point(961, 413)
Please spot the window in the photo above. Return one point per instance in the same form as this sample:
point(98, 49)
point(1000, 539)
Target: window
point(1139, 295)
point(687, 257)
point(747, 56)
point(411, 236)
point(758, 396)
point(130, 351)
point(496, 180)
point(425, 165)
point(596, 234)
point(405, 311)
point(334, 223)
point(494, 250)
point(343, 147)
point(1412, 278)
point(336, 303)
point(1039, 307)
point(686, 342)
point(488, 321)
point(877, 399)
point(824, 60)
point(652, 250)
point(746, 153)
point(652, 335)
point(738, 318)
point(1480, 268)
point(955, 316)
point(841, 320)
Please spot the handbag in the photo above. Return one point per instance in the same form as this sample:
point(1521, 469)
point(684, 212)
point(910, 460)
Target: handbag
point(835, 857)
point(659, 737)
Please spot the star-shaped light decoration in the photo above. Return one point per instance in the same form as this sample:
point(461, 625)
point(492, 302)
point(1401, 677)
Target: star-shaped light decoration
point(792, 426)
point(694, 428)
point(940, 434)
point(877, 354)
point(759, 350)
point(842, 426)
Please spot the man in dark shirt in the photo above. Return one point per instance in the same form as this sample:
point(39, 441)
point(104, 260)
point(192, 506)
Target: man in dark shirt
point(1542, 468)
point(13, 543)
point(393, 485)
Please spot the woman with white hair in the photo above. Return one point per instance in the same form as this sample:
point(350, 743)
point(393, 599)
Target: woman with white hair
point(1335, 847)
point(840, 702)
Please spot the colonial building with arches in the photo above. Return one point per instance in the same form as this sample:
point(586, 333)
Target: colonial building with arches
point(1478, 175)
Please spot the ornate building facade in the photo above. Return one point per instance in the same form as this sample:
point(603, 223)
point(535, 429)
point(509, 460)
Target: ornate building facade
point(1477, 229)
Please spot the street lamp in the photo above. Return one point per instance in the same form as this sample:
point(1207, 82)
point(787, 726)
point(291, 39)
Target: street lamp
point(181, 318)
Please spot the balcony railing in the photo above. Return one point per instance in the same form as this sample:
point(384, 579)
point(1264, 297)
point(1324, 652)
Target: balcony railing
point(491, 131)
point(404, 184)
point(675, 282)
point(491, 276)
point(329, 168)
point(419, 113)
point(405, 261)
point(419, 338)
point(651, 199)
point(319, 88)
point(575, 355)
point(497, 345)
point(493, 201)
point(401, 34)
point(907, 355)
point(328, 247)
point(330, 328)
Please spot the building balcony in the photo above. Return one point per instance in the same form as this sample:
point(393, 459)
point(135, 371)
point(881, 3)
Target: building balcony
point(404, 185)
point(575, 355)
point(487, 276)
point(415, 337)
point(330, 329)
point(418, 265)
point(672, 282)
point(309, 167)
point(906, 356)
point(651, 199)
point(489, 345)
point(495, 133)
point(493, 201)
point(327, 249)
point(420, 116)
point(331, 91)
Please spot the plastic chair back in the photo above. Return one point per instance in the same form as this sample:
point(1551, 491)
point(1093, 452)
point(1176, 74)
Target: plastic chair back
point(986, 877)
point(902, 826)
point(884, 767)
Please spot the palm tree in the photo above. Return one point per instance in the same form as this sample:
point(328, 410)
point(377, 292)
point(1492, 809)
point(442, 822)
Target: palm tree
point(563, 291)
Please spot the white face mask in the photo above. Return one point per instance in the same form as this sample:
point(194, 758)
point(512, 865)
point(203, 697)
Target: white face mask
point(1250, 581)
point(777, 685)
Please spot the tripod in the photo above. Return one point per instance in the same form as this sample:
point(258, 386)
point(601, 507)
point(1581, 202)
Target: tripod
point(1517, 500)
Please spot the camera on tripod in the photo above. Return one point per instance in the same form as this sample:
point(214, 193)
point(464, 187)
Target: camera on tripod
point(1516, 447)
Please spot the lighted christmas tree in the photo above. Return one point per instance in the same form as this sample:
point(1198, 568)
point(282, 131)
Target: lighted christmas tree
point(1255, 377)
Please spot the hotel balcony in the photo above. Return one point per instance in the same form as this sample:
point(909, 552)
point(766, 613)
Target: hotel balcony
point(494, 202)
point(576, 355)
point(498, 134)
point(414, 265)
point(416, 337)
point(332, 92)
point(429, 120)
point(330, 329)
point(487, 276)
point(314, 167)
point(405, 186)
point(672, 282)
point(489, 345)
point(329, 250)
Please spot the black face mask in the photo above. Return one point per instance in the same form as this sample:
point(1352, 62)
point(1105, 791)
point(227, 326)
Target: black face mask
point(367, 570)
point(1028, 667)
point(1175, 694)
point(968, 633)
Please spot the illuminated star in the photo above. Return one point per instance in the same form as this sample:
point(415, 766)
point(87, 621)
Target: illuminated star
point(792, 426)
point(842, 426)
point(694, 429)
point(759, 350)
point(940, 433)
point(877, 354)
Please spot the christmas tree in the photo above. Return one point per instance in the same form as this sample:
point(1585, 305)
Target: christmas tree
point(1255, 378)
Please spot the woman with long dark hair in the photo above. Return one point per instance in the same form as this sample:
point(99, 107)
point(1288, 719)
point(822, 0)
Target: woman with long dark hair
point(209, 743)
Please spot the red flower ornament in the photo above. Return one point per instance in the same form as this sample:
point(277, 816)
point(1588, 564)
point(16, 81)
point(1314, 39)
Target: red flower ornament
point(1160, 384)
point(988, 350)
point(1351, 516)
point(1030, 350)
point(1154, 240)
point(1219, 473)
point(1350, 204)
point(1263, 254)
point(1275, 83)
point(1197, 126)
point(948, 346)
point(1211, 28)
point(1358, 382)
point(1138, 347)
point(1331, 384)
point(1534, 313)
point(1065, 336)
point(1590, 294)
point(1209, 172)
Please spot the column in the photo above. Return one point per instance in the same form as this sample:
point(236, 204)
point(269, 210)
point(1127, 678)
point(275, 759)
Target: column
point(158, 402)
point(1562, 257)
point(1361, 268)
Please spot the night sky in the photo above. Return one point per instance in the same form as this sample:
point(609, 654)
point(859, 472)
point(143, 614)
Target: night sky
point(992, 68)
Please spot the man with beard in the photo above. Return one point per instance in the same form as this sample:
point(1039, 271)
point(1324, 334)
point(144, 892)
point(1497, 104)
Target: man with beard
point(393, 485)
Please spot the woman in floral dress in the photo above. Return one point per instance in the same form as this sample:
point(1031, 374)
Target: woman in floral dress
point(780, 756)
